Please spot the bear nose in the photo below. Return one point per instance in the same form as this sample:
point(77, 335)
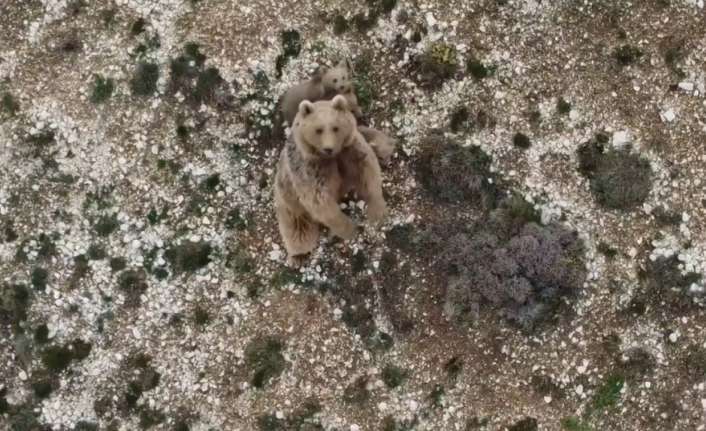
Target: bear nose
point(328, 151)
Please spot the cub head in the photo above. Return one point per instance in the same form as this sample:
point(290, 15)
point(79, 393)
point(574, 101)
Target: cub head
point(339, 78)
point(323, 129)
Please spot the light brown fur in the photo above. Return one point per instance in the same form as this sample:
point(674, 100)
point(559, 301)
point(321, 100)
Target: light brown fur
point(383, 144)
point(325, 159)
point(324, 85)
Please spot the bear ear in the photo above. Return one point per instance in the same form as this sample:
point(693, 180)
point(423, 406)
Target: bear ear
point(306, 108)
point(340, 103)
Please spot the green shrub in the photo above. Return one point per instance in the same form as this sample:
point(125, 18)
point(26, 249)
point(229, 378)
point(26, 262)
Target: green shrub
point(264, 357)
point(520, 140)
point(144, 81)
point(454, 174)
point(102, 89)
point(9, 104)
point(608, 395)
point(393, 376)
point(622, 181)
point(619, 178)
point(189, 256)
point(437, 64)
point(627, 54)
point(477, 69)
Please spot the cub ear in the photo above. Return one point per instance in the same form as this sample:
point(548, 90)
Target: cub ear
point(340, 103)
point(306, 108)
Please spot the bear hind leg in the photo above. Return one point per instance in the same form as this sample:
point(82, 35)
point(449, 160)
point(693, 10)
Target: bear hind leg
point(299, 233)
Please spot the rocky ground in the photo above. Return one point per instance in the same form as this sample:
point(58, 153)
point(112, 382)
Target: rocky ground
point(542, 267)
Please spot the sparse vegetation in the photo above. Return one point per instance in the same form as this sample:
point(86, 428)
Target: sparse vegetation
point(608, 394)
point(521, 141)
point(455, 174)
point(106, 225)
point(291, 47)
point(133, 284)
point(525, 276)
point(437, 64)
point(460, 120)
point(144, 81)
point(9, 104)
point(264, 357)
point(665, 283)
point(626, 55)
point(526, 424)
point(619, 179)
point(562, 106)
point(189, 256)
point(102, 89)
point(477, 69)
point(393, 376)
point(57, 358)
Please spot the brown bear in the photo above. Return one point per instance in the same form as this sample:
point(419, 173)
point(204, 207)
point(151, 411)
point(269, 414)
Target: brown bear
point(325, 84)
point(324, 159)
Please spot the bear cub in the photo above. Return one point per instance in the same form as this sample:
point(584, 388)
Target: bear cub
point(325, 159)
point(324, 85)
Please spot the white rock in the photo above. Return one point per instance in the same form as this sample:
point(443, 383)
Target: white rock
point(674, 336)
point(579, 389)
point(687, 86)
point(23, 375)
point(668, 116)
point(620, 138)
point(547, 399)
point(355, 427)
point(275, 255)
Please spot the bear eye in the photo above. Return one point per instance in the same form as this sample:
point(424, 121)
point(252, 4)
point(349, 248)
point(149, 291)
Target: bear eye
point(335, 81)
point(335, 130)
point(319, 131)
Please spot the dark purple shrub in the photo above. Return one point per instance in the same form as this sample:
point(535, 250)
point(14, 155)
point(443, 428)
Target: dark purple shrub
point(524, 278)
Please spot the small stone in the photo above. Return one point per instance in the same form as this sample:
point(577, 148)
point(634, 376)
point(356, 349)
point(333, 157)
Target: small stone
point(23, 375)
point(579, 389)
point(275, 255)
point(674, 336)
point(668, 116)
point(547, 399)
point(687, 86)
point(620, 138)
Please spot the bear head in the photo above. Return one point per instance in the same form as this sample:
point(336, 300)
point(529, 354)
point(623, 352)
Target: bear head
point(338, 79)
point(322, 129)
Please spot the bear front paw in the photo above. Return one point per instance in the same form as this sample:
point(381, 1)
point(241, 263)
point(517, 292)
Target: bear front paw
point(377, 212)
point(347, 231)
